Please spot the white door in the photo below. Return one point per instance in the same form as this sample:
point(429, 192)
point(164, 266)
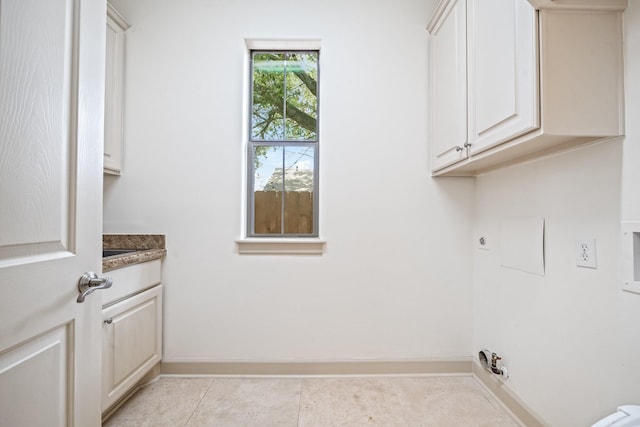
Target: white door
point(51, 109)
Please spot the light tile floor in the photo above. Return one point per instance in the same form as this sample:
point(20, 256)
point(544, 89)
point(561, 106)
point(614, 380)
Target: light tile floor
point(313, 402)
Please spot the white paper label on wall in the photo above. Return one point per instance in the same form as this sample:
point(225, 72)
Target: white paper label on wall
point(522, 244)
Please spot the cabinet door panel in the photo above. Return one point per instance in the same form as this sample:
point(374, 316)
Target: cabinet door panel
point(448, 90)
point(503, 77)
point(114, 92)
point(134, 337)
point(131, 341)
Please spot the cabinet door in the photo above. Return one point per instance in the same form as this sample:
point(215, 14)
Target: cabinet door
point(131, 342)
point(114, 87)
point(503, 71)
point(448, 85)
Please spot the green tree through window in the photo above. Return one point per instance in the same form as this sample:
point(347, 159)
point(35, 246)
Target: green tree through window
point(285, 96)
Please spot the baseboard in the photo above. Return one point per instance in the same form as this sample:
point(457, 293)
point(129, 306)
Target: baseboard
point(459, 366)
point(508, 398)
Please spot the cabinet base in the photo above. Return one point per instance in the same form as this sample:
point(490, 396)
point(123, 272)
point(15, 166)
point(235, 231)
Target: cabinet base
point(151, 377)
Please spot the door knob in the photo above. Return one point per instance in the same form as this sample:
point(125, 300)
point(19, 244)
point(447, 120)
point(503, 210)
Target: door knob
point(90, 282)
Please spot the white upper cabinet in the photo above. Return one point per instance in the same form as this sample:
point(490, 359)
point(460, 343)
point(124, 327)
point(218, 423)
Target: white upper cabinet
point(114, 91)
point(449, 83)
point(540, 77)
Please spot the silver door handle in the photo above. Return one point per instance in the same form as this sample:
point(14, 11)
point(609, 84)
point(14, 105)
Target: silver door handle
point(90, 282)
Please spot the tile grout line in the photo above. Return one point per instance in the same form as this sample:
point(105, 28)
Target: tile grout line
point(300, 402)
point(200, 401)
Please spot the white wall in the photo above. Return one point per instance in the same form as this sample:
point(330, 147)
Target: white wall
point(570, 337)
point(395, 282)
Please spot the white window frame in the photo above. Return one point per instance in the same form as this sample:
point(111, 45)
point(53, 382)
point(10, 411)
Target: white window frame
point(275, 244)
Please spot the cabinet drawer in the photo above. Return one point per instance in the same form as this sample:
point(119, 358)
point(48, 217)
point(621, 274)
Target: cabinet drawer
point(131, 280)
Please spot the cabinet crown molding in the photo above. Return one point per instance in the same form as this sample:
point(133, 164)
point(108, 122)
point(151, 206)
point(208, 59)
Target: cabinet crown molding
point(618, 5)
point(117, 17)
point(602, 5)
point(437, 14)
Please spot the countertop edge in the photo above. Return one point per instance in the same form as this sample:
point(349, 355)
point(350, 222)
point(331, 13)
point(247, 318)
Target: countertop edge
point(132, 258)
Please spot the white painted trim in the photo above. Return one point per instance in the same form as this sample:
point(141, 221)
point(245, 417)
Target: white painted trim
point(282, 44)
point(271, 246)
point(507, 398)
point(117, 17)
point(291, 246)
point(442, 7)
point(449, 367)
point(588, 5)
point(629, 282)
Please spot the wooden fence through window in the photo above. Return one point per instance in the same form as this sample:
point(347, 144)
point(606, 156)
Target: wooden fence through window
point(298, 212)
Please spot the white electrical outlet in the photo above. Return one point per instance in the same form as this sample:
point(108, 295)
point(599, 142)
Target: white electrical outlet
point(586, 253)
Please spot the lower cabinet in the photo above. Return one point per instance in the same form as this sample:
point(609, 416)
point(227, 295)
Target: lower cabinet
point(131, 342)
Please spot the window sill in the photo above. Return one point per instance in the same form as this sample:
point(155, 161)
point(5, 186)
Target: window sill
point(290, 246)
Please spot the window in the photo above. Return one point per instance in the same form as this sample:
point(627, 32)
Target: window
point(283, 144)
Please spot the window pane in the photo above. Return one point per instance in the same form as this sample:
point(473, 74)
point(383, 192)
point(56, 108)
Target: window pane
point(267, 189)
point(267, 109)
point(283, 189)
point(299, 178)
point(284, 101)
point(301, 95)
